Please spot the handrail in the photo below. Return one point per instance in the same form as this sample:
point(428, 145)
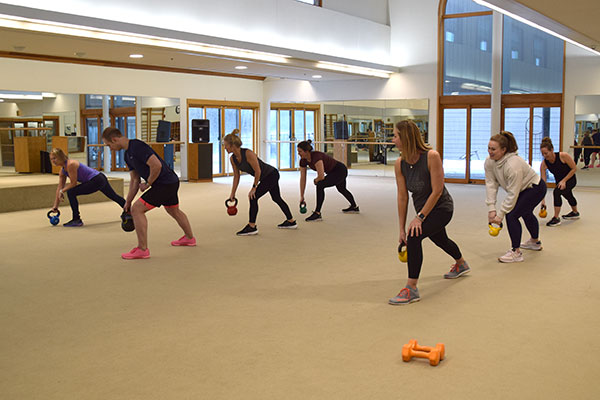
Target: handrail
point(327, 142)
point(585, 147)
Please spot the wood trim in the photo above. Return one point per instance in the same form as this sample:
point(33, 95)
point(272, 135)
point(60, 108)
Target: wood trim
point(532, 100)
point(222, 103)
point(562, 103)
point(484, 100)
point(296, 106)
point(440, 69)
point(469, 14)
point(114, 64)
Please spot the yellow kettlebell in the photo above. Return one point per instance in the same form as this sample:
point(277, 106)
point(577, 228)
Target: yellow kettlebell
point(543, 212)
point(494, 230)
point(402, 256)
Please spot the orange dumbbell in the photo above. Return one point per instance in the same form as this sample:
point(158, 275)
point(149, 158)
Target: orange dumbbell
point(434, 354)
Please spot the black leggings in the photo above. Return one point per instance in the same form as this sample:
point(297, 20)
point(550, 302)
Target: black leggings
point(99, 182)
point(337, 178)
point(567, 193)
point(434, 227)
point(526, 203)
point(270, 184)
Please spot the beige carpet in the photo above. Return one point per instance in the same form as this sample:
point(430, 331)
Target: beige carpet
point(293, 314)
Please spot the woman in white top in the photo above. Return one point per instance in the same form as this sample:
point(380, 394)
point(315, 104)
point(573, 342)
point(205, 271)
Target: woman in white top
point(524, 191)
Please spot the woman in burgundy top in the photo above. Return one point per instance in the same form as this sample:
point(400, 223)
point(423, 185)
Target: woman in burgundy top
point(329, 173)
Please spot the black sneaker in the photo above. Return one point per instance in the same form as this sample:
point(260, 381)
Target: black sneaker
point(553, 222)
point(315, 216)
point(351, 210)
point(248, 230)
point(571, 215)
point(287, 225)
point(74, 223)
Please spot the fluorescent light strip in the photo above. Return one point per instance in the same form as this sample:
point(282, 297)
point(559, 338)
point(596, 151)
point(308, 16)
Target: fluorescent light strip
point(14, 96)
point(7, 21)
point(354, 69)
point(533, 24)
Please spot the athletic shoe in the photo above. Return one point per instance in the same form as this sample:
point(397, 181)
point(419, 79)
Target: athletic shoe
point(511, 257)
point(458, 271)
point(184, 241)
point(532, 245)
point(73, 223)
point(553, 222)
point(287, 225)
point(571, 215)
point(136, 253)
point(351, 210)
point(314, 217)
point(585, 167)
point(406, 296)
point(247, 231)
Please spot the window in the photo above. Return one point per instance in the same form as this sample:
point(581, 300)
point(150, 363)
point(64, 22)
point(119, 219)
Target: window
point(317, 3)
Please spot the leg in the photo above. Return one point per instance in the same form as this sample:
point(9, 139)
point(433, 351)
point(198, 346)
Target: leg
point(275, 193)
point(182, 220)
point(138, 212)
point(556, 194)
point(91, 186)
point(108, 191)
point(341, 187)
point(333, 178)
point(262, 188)
point(526, 203)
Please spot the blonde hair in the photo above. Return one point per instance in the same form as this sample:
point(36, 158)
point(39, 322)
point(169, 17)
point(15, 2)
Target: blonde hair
point(59, 154)
point(411, 139)
point(233, 138)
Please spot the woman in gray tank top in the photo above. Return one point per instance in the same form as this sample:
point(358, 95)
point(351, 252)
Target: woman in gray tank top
point(420, 172)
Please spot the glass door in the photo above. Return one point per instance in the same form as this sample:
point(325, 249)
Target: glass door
point(95, 150)
point(286, 150)
point(517, 120)
point(126, 124)
point(479, 136)
point(455, 144)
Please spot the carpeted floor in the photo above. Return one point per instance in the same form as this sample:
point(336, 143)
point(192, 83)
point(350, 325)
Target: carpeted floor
point(293, 314)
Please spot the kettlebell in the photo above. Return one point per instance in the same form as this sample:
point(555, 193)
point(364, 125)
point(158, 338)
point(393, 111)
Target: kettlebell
point(54, 219)
point(127, 222)
point(402, 255)
point(543, 212)
point(231, 210)
point(303, 207)
point(494, 230)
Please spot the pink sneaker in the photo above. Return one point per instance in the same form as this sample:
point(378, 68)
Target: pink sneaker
point(184, 241)
point(136, 253)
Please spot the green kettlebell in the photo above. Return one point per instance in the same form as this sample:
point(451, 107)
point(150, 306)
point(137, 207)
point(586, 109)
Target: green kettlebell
point(303, 207)
point(402, 255)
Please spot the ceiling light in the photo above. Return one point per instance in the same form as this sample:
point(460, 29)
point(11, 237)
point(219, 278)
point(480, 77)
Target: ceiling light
point(48, 95)
point(1, 100)
point(12, 22)
point(79, 54)
point(19, 48)
point(533, 24)
point(241, 67)
point(352, 69)
point(136, 56)
point(317, 76)
point(21, 96)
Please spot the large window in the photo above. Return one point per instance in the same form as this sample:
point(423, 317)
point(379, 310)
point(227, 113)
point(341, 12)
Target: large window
point(223, 119)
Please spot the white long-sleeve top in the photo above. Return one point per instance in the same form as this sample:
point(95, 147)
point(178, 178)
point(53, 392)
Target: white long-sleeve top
point(514, 175)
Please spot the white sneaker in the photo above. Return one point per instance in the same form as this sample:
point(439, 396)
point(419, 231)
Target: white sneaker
point(511, 256)
point(532, 245)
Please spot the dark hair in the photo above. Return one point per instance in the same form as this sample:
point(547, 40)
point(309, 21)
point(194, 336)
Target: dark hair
point(306, 145)
point(547, 143)
point(111, 132)
point(506, 140)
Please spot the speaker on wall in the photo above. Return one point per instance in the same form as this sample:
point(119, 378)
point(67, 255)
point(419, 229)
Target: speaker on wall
point(200, 131)
point(163, 131)
point(340, 130)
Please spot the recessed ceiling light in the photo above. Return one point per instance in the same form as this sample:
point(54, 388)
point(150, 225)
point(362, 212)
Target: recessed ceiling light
point(241, 67)
point(19, 48)
point(79, 54)
point(136, 56)
point(1, 100)
point(317, 76)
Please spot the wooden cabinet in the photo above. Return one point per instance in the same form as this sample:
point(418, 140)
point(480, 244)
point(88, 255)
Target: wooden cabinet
point(200, 162)
point(27, 153)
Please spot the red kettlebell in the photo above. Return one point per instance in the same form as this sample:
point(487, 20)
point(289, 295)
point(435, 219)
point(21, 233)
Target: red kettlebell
point(231, 209)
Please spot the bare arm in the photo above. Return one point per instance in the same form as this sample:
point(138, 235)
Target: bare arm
point(320, 171)
point(72, 171)
point(62, 179)
point(236, 178)
point(567, 159)
point(436, 172)
point(134, 186)
point(302, 182)
point(402, 198)
point(544, 178)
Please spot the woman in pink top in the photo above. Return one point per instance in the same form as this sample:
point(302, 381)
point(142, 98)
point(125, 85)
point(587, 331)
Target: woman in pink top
point(330, 172)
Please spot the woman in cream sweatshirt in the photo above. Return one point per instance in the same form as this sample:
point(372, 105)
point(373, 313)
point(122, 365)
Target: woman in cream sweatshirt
point(524, 191)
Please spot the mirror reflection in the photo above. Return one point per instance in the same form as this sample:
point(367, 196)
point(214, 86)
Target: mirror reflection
point(586, 143)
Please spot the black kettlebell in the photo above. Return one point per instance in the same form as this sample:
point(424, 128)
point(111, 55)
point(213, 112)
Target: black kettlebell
point(54, 219)
point(231, 210)
point(127, 222)
point(303, 207)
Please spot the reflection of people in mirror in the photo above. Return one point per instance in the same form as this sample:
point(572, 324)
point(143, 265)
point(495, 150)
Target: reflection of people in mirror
point(587, 141)
point(595, 136)
point(90, 181)
point(563, 168)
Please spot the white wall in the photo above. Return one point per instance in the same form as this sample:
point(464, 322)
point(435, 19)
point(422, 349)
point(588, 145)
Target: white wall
point(286, 24)
point(373, 10)
point(8, 109)
point(582, 77)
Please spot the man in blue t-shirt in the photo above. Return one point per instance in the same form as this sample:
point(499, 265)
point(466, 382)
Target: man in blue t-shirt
point(160, 188)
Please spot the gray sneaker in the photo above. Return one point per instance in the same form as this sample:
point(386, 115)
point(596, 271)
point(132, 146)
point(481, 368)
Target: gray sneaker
point(406, 296)
point(458, 271)
point(532, 245)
